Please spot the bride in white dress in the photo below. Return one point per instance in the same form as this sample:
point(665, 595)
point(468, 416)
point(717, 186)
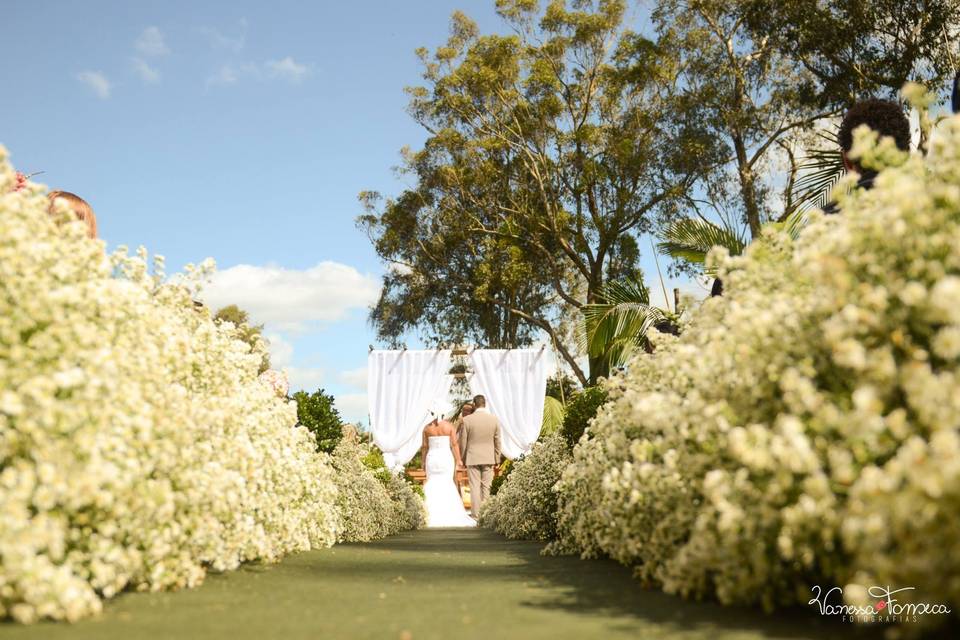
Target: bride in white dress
point(440, 453)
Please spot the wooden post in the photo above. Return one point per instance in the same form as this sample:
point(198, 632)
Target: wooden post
point(676, 300)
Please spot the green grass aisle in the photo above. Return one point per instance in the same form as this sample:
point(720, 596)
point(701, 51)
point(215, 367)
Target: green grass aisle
point(432, 584)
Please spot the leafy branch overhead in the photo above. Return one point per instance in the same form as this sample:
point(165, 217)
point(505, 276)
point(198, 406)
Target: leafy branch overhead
point(691, 239)
point(551, 151)
point(554, 147)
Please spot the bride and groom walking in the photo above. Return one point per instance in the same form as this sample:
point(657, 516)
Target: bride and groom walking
point(445, 451)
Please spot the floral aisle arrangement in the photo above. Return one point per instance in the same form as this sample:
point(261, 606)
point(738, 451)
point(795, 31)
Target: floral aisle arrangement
point(526, 505)
point(805, 428)
point(137, 446)
point(372, 502)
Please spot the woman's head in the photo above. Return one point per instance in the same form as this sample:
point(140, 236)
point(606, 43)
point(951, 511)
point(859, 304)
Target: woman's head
point(80, 207)
point(438, 413)
point(466, 409)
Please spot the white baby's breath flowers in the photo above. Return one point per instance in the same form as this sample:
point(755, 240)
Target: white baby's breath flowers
point(805, 428)
point(526, 505)
point(371, 503)
point(138, 449)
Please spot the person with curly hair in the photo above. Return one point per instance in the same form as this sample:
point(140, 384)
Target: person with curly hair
point(883, 116)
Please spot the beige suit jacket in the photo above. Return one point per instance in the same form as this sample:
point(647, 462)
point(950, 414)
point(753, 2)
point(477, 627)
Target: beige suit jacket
point(481, 439)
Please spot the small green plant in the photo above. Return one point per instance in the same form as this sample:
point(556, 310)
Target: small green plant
point(580, 410)
point(505, 470)
point(317, 413)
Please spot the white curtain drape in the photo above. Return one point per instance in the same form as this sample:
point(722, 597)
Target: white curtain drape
point(402, 386)
point(514, 382)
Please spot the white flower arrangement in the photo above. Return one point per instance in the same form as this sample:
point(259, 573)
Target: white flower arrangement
point(137, 447)
point(806, 425)
point(371, 505)
point(526, 504)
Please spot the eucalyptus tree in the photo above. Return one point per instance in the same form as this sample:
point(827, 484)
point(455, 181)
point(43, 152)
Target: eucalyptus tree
point(766, 75)
point(749, 92)
point(551, 150)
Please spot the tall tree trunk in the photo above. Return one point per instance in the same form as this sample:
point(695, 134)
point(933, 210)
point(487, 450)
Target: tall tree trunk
point(599, 367)
point(748, 186)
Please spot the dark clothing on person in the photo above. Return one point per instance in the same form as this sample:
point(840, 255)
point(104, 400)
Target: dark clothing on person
point(865, 182)
point(955, 98)
point(717, 288)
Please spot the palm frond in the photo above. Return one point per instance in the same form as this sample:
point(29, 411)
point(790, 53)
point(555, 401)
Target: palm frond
point(553, 414)
point(819, 172)
point(691, 239)
point(616, 324)
point(794, 222)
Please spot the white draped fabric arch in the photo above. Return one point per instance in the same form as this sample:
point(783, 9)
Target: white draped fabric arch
point(514, 382)
point(402, 387)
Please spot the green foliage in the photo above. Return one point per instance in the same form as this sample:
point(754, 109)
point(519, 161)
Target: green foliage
point(553, 412)
point(817, 174)
point(857, 49)
point(374, 459)
point(249, 333)
point(580, 411)
point(550, 150)
point(763, 74)
point(505, 470)
point(416, 462)
point(691, 239)
point(316, 411)
point(617, 324)
point(561, 386)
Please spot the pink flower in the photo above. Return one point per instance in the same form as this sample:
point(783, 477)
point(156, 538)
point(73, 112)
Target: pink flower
point(21, 181)
point(277, 380)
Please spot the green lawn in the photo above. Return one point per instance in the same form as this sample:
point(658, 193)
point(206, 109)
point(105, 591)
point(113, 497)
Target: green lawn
point(458, 584)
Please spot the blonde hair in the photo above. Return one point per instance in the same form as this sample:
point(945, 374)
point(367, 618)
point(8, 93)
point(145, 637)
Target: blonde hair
point(81, 208)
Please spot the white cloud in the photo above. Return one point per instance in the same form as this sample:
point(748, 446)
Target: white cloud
point(305, 378)
point(281, 351)
point(148, 74)
point(287, 69)
point(354, 378)
point(225, 75)
point(281, 356)
point(97, 82)
point(151, 43)
point(219, 40)
point(291, 299)
point(352, 407)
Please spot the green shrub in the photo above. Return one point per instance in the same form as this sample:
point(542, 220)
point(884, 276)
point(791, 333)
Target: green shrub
point(580, 411)
point(505, 470)
point(316, 412)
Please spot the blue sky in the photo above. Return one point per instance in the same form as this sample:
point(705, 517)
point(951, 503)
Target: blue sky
point(242, 131)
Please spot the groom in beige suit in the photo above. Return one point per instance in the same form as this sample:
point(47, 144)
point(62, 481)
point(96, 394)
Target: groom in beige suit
point(481, 451)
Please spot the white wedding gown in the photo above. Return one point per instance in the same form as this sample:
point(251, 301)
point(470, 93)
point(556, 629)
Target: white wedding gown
point(443, 502)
